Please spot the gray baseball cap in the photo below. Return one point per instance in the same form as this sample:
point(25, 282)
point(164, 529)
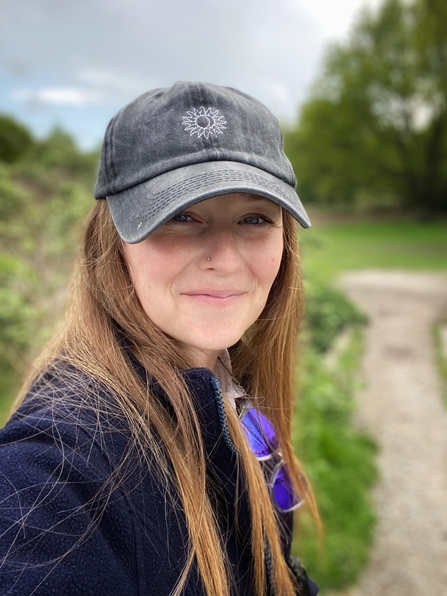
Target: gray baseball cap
point(171, 148)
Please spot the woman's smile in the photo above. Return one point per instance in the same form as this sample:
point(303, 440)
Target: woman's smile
point(215, 297)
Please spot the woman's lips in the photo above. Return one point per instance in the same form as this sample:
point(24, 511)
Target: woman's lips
point(215, 293)
point(215, 296)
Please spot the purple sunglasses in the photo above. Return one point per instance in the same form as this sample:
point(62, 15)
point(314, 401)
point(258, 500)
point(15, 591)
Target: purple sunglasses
point(262, 440)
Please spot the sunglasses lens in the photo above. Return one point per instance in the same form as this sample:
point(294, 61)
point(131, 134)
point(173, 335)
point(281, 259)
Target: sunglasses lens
point(282, 490)
point(260, 433)
point(262, 440)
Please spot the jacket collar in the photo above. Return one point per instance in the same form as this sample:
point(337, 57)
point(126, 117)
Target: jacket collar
point(207, 394)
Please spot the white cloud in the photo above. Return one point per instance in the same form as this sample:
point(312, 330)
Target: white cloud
point(279, 91)
point(59, 95)
point(335, 18)
point(107, 79)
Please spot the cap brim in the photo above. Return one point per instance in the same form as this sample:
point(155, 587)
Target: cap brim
point(140, 210)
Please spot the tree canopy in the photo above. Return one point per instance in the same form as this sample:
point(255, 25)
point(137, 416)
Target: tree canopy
point(15, 139)
point(374, 130)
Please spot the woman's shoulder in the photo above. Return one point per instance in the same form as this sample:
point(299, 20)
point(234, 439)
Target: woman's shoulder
point(65, 410)
point(74, 502)
point(62, 390)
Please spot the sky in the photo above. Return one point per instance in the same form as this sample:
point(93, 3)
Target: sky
point(75, 63)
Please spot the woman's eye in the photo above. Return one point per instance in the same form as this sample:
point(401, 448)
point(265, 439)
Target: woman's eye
point(255, 219)
point(182, 217)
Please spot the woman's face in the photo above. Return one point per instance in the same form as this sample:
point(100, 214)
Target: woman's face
point(204, 277)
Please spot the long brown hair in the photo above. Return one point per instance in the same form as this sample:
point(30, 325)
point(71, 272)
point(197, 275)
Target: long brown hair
point(102, 299)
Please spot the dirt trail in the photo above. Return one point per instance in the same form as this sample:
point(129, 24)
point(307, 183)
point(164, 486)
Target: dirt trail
point(402, 408)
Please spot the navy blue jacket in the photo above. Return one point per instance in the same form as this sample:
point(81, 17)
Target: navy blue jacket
point(69, 526)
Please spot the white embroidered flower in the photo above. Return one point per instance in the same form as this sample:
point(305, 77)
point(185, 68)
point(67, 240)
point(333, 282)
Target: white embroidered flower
point(204, 122)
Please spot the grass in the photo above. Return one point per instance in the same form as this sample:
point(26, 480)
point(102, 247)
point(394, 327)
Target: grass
point(339, 461)
point(329, 248)
point(441, 359)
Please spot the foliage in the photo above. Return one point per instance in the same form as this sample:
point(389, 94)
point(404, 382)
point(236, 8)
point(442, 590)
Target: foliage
point(43, 198)
point(339, 461)
point(328, 312)
point(374, 130)
point(15, 139)
point(59, 153)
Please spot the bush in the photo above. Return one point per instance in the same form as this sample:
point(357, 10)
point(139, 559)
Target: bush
point(327, 313)
point(339, 461)
point(15, 139)
point(44, 197)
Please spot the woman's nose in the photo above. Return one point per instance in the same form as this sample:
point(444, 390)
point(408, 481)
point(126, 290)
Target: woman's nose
point(223, 252)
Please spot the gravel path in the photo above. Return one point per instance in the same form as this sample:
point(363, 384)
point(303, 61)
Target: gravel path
point(401, 407)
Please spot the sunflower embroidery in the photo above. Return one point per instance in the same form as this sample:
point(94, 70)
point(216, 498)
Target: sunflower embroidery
point(204, 122)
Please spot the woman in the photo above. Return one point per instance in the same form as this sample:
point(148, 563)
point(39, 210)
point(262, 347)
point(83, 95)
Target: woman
point(136, 463)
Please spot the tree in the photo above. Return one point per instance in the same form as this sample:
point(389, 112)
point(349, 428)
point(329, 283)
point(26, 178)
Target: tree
point(375, 127)
point(15, 139)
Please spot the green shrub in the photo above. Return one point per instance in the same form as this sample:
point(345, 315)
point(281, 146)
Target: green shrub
point(327, 313)
point(339, 461)
point(15, 139)
point(44, 197)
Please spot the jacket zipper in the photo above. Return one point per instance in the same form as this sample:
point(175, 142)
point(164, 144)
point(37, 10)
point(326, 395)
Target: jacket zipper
point(223, 416)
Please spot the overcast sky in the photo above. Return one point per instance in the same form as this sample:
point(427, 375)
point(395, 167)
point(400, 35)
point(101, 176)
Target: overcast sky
point(76, 62)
